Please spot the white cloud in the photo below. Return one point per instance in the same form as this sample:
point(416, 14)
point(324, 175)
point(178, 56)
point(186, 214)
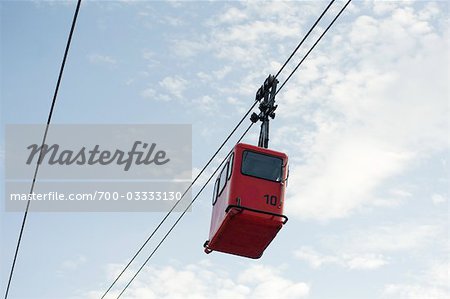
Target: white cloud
point(173, 21)
point(315, 259)
point(400, 193)
point(267, 282)
point(149, 57)
point(69, 3)
point(395, 198)
point(374, 247)
point(256, 31)
point(232, 100)
point(175, 3)
point(367, 115)
point(438, 274)
point(232, 15)
point(366, 262)
point(174, 85)
point(246, 35)
point(206, 104)
point(204, 77)
point(74, 263)
point(341, 175)
point(432, 284)
point(102, 59)
point(438, 199)
point(351, 261)
point(392, 238)
point(148, 93)
point(410, 291)
point(188, 48)
point(147, 54)
point(220, 74)
point(206, 280)
point(384, 7)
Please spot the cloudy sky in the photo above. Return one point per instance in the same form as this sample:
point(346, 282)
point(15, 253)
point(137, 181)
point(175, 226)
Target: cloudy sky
point(364, 122)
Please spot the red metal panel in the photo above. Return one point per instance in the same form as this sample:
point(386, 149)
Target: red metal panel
point(244, 234)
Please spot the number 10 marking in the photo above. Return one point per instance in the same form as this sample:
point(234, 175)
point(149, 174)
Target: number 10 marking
point(271, 199)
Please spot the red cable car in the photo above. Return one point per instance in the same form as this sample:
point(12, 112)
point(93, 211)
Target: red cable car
point(248, 201)
point(248, 195)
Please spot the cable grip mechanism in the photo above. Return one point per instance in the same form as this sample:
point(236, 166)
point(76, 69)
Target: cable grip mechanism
point(266, 98)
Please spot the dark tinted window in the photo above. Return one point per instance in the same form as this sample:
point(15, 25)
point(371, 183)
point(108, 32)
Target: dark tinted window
point(230, 166)
point(223, 178)
point(216, 188)
point(262, 166)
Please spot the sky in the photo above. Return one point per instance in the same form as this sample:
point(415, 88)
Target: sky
point(364, 121)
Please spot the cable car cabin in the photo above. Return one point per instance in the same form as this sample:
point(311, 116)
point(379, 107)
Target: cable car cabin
point(248, 202)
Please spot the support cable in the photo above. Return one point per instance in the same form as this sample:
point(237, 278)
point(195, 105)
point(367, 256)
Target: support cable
point(305, 37)
point(182, 214)
point(215, 154)
point(209, 179)
point(176, 204)
point(211, 159)
point(314, 45)
point(22, 228)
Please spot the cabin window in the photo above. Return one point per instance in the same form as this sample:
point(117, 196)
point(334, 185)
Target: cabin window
point(262, 166)
point(223, 178)
point(230, 166)
point(216, 188)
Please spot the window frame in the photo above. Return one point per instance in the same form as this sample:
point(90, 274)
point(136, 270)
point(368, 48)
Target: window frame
point(225, 168)
point(264, 154)
point(216, 188)
point(230, 166)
